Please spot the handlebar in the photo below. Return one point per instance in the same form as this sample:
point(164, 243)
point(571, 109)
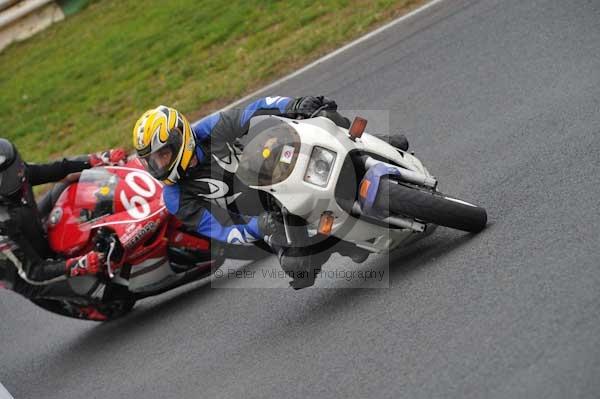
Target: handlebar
point(107, 242)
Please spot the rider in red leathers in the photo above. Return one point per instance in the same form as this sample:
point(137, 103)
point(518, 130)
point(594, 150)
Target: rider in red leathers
point(27, 264)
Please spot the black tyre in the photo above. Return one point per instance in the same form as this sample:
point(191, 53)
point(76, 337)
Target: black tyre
point(116, 309)
point(97, 312)
point(432, 207)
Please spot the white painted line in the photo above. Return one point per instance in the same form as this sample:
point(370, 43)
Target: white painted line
point(334, 53)
point(4, 394)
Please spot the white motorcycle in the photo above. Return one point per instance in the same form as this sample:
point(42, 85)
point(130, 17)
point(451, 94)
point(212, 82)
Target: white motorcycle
point(345, 185)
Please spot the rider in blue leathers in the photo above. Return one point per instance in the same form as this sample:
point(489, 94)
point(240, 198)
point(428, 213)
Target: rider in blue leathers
point(198, 163)
point(208, 177)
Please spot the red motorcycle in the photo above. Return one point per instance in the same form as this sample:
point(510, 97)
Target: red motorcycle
point(119, 210)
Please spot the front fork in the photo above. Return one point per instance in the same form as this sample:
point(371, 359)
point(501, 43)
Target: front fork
point(369, 186)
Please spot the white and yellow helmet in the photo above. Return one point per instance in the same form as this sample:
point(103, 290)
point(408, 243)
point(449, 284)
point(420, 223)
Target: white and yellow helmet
point(164, 142)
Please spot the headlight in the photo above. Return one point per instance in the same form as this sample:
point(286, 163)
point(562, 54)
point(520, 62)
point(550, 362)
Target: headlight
point(319, 166)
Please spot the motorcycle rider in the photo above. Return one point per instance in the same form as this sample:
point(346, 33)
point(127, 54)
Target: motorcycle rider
point(27, 264)
point(198, 162)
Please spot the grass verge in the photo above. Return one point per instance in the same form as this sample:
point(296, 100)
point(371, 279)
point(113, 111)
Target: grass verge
point(80, 85)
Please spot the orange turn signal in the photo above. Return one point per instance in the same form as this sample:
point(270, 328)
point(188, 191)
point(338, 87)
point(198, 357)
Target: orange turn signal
point(326, 223)
point(364, 188)
point(357, 128)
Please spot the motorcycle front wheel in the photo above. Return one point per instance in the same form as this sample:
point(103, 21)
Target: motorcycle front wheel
point(96, 312)
point(429, 206)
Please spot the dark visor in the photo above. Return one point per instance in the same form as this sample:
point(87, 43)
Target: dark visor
point(160, 162)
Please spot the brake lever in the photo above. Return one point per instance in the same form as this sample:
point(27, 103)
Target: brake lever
point(107, 243)
point(108, 256)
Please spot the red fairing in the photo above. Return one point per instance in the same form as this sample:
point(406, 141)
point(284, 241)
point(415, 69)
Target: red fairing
point(68, 236)
point(180, 239)
point(125, 199)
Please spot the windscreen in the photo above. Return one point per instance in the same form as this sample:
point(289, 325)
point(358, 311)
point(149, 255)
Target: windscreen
point(95, 193)
point(270, 155)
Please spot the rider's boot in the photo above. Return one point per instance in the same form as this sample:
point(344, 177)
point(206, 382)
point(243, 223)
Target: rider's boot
point(358, 255)
point(302, 266)
point(398, 140)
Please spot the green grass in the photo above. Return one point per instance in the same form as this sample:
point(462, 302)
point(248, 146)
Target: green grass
point(81, 84)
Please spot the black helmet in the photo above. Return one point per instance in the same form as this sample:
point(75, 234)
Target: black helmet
point(12, 169)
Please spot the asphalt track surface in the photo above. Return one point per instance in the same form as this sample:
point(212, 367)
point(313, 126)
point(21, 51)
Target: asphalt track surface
point(501, 100)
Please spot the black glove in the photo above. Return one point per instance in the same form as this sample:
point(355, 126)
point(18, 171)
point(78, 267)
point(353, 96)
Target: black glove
point(306, 106)
point(271, 224)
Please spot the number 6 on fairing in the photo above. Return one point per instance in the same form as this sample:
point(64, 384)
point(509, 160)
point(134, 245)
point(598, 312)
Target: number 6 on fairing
point(139, 200)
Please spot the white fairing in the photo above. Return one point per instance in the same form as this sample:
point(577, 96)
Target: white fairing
point(310, 201)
